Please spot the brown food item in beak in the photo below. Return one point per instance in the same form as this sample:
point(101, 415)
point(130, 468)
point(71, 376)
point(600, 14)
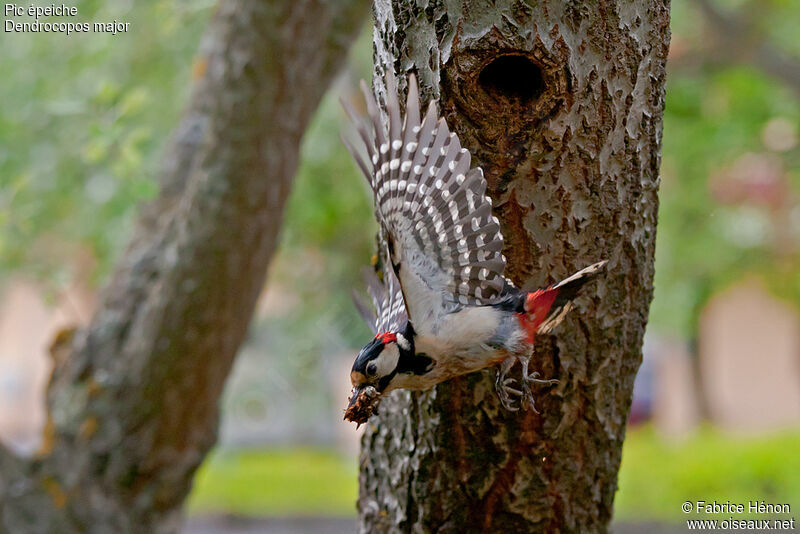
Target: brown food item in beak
point(362, 403)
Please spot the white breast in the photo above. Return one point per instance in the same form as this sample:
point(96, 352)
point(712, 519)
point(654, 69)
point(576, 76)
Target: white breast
point(469, 327)
point(461, 344)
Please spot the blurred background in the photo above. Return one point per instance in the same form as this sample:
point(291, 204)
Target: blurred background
point(716, 413)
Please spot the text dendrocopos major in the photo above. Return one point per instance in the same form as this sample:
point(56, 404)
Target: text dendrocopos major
point(443, 307)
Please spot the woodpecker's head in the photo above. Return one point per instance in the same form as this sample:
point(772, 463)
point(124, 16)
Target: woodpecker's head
point(373, 371)
point(376, 364)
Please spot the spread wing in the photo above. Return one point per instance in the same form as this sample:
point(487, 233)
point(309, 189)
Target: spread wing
point(387, 298)
point(444, 243)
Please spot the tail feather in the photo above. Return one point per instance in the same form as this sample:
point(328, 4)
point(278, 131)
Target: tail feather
point(547, 307)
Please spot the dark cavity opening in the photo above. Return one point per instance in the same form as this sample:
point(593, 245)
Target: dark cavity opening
point(512, 77)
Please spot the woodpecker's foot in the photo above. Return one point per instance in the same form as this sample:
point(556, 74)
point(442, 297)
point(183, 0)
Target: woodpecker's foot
point(527, 380)
point(505, 391)
point(533, 378)
point(505, 386)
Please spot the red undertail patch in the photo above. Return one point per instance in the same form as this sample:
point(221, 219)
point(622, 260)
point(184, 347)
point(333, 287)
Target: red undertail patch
point(537, 308)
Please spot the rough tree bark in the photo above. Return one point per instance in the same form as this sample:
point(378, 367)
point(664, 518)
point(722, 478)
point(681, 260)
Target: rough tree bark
point(133, 408)
point(561, 103)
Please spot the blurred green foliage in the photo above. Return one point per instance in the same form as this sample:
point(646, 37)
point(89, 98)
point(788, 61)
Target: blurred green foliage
point(727, 143)
point(297, 482)
point(712, 120)
point(656, 477)
point(83, 119)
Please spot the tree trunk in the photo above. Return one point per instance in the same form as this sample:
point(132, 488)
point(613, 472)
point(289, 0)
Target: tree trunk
point(561, 103)
point(133, 408)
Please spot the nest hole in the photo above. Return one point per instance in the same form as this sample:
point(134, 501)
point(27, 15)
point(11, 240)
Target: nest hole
point(512, 77)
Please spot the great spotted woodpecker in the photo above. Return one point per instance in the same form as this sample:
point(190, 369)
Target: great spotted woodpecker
point(443, 307)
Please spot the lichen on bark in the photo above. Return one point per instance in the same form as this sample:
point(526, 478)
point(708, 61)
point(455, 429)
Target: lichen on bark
point(561, 103)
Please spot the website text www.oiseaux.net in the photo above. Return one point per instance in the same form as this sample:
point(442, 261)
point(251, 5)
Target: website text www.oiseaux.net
point(778, 516)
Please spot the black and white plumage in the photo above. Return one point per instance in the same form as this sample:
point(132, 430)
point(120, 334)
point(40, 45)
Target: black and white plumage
point(387, 298)
point(432, 206)
point(444, 293)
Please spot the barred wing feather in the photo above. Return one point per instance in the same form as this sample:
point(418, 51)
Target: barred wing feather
point(442, 236)
point(387, 298)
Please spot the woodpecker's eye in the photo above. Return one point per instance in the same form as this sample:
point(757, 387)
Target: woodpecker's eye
point(372, 369)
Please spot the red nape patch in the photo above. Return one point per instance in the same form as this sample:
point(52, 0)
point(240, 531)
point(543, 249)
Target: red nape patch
point(537, 308)
point(386, 337)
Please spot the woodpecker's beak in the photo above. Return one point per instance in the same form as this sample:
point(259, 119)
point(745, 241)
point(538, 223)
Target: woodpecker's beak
point(362, 404)
point(354, 395)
